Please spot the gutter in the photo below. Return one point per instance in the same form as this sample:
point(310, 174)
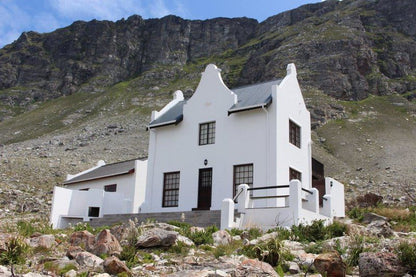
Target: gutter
point(252, 107)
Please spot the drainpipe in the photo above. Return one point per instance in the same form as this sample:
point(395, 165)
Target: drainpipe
point(267, 146)
point(310, 162)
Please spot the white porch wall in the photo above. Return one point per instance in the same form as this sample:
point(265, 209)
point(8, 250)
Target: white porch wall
point(125, 187)
point(60, 205)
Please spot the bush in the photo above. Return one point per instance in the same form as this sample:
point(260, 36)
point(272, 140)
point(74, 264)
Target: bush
point(270, 251)
point(16, 251)
point(407, 255)
point(317, 231)
point(336, 229)
point(227, 249)
point(28, 228)
point(355, 249)
point(182, 225)
point(199, 237)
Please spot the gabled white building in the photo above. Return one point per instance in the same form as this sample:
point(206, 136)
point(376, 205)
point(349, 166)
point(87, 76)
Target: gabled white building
point(249, 145)
point(202, 149)
point(116, 188)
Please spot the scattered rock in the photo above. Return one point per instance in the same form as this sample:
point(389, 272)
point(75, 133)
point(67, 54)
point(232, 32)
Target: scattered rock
point(88, 259)
point(380, 228)
point(4, 271)
point(83, 239)
point(330, 264)
point(156, 237)
point(184, 240)
point(71, 273)
point(113, 266)
point(221, 237)
point(106, 243)
point(294, 268)
point(73, 251)
point(44, 241)
point(373, 264)
point(371, 217)
point(254, 267)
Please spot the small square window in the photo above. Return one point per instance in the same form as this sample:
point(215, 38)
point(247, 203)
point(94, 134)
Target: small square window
point(207, 133)
point(94, 211)
point(294, 133)
point(110, 188)
point(294, 175)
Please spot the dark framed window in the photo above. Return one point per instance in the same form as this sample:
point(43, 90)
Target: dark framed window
point(294, 174)
point(294, 133)
point(94, 211)
point(243, 174)
point(207, 133)
point(110, 188)
point(86, 189)
point(170, 189)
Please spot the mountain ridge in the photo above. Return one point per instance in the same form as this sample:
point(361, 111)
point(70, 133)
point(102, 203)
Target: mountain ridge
point(356, 64)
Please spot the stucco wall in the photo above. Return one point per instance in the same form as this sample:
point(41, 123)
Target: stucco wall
point(125, 187)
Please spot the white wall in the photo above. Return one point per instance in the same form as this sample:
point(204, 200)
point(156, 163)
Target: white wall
point(336, 190)
point(126, 186)
point(241, 138)
point(60, 205)
point(290, 105)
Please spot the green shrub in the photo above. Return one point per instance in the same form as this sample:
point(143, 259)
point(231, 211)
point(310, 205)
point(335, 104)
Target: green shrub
point(357, 213)
point(129, 255)
point(179, 248)
point(16, 252)
point(307, 233)
point(282, 233)
point(227, 249)
point(67, 268)
point(270, 251)
point(254, 233)
point(407, 255)
point(200, 237)
point(28, 228)
point(355, 249)
point(317, 231)
point(336, 229)
point(182, 225)
point(235, 232)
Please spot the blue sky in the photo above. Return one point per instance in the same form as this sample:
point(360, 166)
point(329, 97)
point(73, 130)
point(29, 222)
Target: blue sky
point(17, 16)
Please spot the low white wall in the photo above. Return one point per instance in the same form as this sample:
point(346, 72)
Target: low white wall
point(336, 190)
point(69, 204)
point(266, 218)
point(60, 205)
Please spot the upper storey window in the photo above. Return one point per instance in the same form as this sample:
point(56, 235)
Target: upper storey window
point(207, 133)
point(294, 133)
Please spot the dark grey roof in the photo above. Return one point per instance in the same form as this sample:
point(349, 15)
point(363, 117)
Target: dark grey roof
point(108, 170)
point(249, 97)
point(172, 116)
point(253, 96)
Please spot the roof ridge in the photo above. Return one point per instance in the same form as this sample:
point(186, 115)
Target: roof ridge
point(257, 84)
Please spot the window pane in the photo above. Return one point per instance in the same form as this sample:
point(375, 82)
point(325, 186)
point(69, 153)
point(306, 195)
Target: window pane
point(294, 133)
point(207, 133)
point(243, 174)
point(170, 189)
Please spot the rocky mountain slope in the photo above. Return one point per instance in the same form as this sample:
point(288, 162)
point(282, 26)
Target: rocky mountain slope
point(85, 92)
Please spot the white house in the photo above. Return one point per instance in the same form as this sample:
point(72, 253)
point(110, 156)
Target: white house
point(250, 144)
point(104, 189)
point(202, 149)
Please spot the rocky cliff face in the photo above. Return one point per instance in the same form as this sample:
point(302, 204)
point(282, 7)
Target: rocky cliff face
point(347, 49)
point(101, 53)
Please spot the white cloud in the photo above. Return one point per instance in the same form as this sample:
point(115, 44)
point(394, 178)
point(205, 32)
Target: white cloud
point(12, 21)
point(96, 9)
point(158, 9)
